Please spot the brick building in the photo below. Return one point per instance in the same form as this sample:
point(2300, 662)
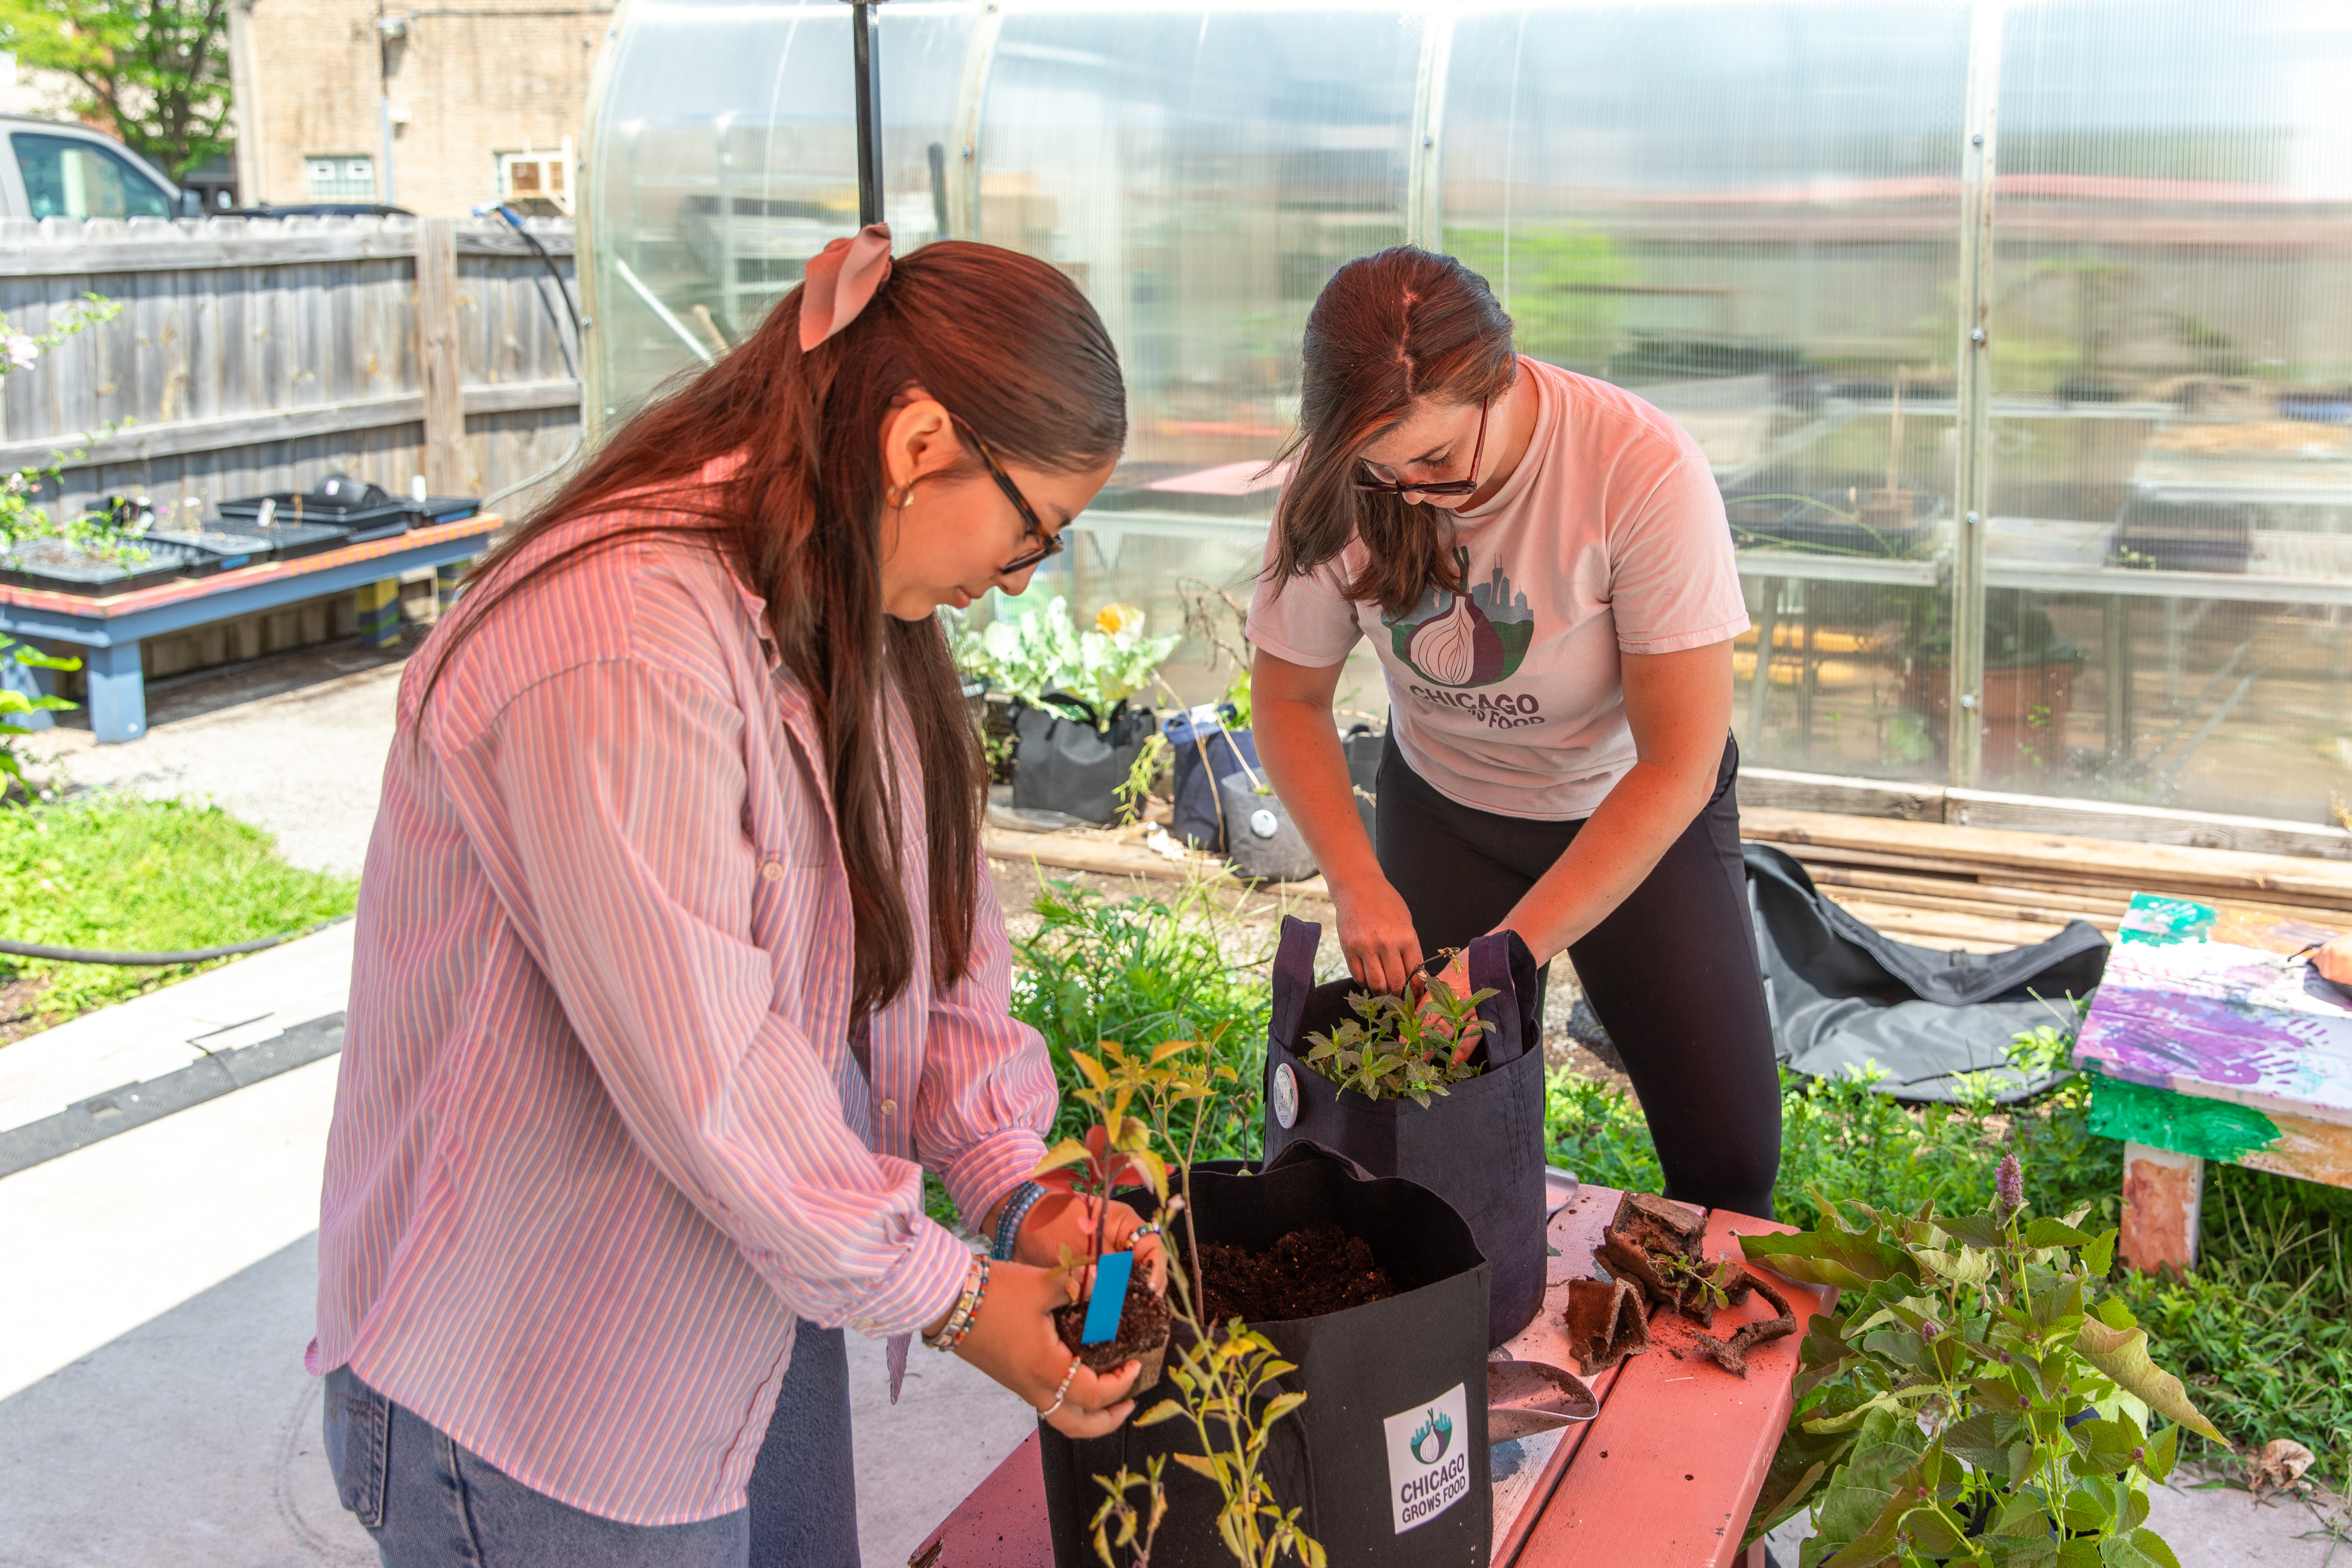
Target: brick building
point(468, 104)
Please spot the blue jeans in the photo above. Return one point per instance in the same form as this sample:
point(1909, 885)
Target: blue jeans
point(431, 1504)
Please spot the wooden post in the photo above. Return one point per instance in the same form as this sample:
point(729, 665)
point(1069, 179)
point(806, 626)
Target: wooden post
point(2163, 1193)
point(447, 471)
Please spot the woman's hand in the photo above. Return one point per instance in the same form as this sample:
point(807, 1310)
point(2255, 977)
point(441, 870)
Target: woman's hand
point(1376, 933)
point(1061, 1220)
point(1012, 1341)
point(2333, 961)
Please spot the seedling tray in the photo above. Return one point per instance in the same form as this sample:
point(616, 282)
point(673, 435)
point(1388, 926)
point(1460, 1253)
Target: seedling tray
point(2183, 536)
point(232, 549)
point(292, 541)
point(292, 507)
point(60, 568)
point(1834, 522)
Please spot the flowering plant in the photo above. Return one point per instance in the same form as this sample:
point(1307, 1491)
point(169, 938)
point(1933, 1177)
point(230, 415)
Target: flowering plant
point(22, 518)
point(1971, 1400)
point(1044, 651)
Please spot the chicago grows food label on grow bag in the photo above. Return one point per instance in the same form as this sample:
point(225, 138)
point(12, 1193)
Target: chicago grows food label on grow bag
point(1429, 1463)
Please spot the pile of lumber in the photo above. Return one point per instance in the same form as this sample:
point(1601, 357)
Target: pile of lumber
point(1982, 888)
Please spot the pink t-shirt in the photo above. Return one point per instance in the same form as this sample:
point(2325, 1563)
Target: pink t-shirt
point(1610, 538)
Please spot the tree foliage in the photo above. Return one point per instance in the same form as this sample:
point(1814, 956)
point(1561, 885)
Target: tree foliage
point(154, 72)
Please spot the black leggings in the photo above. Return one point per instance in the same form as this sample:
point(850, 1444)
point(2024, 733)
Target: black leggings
point(1671, 972)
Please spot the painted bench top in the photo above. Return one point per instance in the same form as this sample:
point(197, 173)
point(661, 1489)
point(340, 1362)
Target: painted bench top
point(2215, 1003)
point(1669, 1469)
point(2213, 1039)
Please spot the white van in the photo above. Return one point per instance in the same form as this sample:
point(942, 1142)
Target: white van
point(57, 170)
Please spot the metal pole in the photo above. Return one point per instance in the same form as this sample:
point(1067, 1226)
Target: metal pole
point(867, 63)
point(1972, 482)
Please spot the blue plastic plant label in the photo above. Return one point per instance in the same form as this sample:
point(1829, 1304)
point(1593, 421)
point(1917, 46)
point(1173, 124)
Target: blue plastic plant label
point(1111, 1270)
point(1428, 1462)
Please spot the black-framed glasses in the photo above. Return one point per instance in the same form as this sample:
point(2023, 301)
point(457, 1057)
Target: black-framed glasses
point(1053, 544)
point(1436, 486)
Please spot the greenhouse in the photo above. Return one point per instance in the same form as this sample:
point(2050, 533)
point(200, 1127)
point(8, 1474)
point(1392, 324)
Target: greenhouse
point(2018, 336)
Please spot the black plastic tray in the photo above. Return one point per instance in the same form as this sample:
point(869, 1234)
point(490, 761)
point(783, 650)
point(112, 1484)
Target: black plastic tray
point(62, 569)
point(361, 523)
point(1813, 523)
point(293, 541)
point(2183, 536)
point(234, 549)
point(446, 508)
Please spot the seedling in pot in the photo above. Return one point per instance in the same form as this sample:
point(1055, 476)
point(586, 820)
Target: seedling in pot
point(1397, 1047)
point(1227, 1375)
point(1117, 1150)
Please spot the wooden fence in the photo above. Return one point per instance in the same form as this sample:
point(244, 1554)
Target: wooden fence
point(262, 354)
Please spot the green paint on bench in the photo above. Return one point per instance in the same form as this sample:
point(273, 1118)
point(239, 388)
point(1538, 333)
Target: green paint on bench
point(2159, 921)
point(2183, 1123)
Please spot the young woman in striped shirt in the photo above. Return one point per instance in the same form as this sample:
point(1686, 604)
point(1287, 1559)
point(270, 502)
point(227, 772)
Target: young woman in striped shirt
point(679, 962)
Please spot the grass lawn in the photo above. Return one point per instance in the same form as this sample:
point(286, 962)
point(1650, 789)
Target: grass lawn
point(123, 874)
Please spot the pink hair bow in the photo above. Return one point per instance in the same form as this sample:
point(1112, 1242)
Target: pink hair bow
point(839, 281)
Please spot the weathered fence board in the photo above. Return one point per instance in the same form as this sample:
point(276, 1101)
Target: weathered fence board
point(262, 354)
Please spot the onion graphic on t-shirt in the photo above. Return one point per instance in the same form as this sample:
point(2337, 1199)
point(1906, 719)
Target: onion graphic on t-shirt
point(1467, 637)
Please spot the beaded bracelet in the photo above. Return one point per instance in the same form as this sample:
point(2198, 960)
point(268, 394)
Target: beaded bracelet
point(1008, 1223)
point(972, 1315)
point(959, 1322)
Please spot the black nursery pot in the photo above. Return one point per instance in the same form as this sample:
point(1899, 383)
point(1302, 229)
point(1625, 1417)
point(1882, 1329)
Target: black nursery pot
point(1479, 1146)
point(1061, 761)
point(1379, 1477)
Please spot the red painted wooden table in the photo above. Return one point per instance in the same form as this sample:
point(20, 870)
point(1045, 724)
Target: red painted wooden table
point(1671, 1467)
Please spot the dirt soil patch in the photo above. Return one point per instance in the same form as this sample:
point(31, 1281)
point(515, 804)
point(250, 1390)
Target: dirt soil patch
point(1142, 1325)
point(1307, 1274)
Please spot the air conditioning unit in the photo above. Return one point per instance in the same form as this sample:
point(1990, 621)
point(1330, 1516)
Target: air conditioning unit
point(529, 178)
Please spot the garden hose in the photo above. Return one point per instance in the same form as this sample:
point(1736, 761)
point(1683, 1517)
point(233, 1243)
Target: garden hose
point(136, 960)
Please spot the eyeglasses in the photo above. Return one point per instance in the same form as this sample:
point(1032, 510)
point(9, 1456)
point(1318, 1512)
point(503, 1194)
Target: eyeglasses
point(1053, 543)
point(1436, 486)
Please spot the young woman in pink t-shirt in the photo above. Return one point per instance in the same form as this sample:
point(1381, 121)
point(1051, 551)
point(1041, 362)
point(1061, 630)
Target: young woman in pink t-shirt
point(1541, 563)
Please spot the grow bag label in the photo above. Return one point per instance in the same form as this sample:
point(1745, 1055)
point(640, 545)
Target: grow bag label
point(1429, 1463)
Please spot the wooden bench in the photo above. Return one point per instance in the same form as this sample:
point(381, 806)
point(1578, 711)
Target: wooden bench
point(2211, 1039)
point(110, 628)
point(1664, 1476)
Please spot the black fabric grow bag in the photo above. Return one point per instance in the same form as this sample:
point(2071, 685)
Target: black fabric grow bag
point(1203, 756)
point(1480, 1146)
point(1061, 761)
point(1841, 994)
point(1372, 1376)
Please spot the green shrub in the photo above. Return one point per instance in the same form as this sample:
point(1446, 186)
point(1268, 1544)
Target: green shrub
point(1139, 971)
point(2261, 1332)
point(123, 874)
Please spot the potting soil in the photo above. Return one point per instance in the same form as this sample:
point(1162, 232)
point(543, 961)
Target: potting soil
point(1305, 1274)
point(1142, 1325)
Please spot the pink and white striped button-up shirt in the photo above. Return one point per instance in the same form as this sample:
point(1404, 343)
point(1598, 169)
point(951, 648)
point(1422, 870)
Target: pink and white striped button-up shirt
point(599, 1137)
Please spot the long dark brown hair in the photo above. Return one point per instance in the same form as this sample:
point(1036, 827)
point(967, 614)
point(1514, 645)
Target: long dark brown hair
point(1387, 331)
point(1000, 339)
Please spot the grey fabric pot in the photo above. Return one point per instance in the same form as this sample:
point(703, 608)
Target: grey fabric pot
point(1260, 838)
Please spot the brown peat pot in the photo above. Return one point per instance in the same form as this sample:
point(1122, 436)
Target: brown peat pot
point(1479, 1146)
point(1387, 1460)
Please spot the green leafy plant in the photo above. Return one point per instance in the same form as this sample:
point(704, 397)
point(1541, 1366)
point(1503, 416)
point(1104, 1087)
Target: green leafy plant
point(13, 702)
point(1398, 1049)
point(1045, 651)
point(22, 518)
point(1227, 1375)
point(1970, 1401)
point(1141, 774)
point(1152, 968)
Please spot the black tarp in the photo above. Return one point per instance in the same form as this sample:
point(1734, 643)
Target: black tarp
point(1843, 995)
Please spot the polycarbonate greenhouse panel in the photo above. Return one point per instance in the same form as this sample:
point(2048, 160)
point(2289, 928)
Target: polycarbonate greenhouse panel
point(1754, 215)
point(2171, 465)
point(1749, 214)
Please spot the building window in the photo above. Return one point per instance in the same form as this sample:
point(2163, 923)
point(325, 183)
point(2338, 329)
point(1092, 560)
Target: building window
point(340, 179)
point(538, 184)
